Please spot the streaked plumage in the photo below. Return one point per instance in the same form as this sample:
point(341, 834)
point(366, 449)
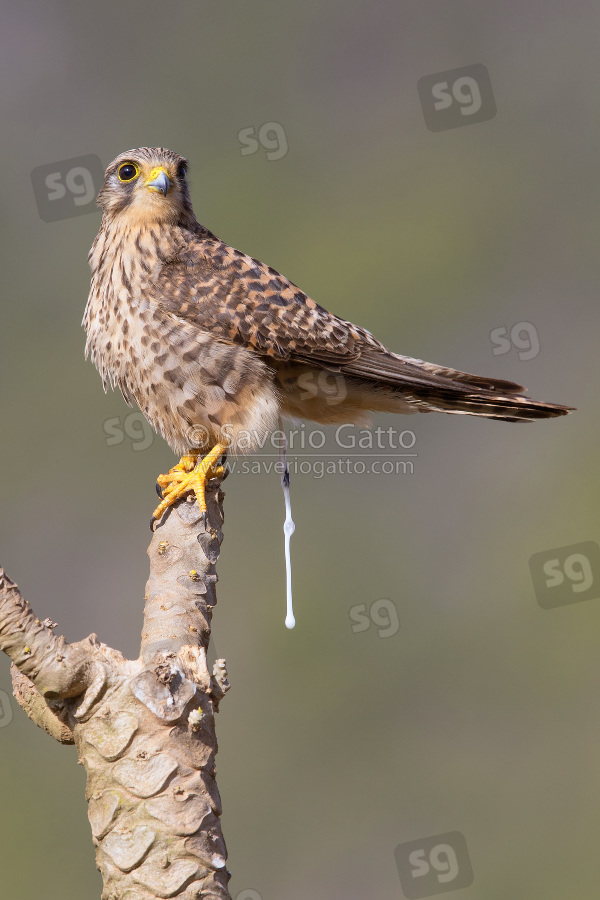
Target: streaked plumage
point(207, 340)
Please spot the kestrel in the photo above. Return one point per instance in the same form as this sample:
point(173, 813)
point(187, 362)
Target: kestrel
point(214, 345)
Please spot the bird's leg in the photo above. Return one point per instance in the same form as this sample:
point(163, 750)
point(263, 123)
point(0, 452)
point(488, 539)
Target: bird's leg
point(190, 474)
point(187, 462)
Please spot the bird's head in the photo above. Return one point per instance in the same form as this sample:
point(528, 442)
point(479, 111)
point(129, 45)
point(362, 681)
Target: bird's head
point(147, 186)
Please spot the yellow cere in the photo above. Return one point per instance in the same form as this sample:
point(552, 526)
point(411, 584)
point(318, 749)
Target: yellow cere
point(155, 173)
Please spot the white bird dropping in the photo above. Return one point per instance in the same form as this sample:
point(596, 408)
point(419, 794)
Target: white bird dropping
point(288, 530)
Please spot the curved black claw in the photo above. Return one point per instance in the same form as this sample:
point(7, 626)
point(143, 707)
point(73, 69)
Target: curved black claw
point(152, 524)
point(222, 461)
point(159, 490)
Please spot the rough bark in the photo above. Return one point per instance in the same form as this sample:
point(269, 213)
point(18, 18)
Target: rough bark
point(144, 729)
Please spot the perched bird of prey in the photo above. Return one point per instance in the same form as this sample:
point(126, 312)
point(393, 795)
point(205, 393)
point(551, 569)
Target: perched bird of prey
point(210, 342)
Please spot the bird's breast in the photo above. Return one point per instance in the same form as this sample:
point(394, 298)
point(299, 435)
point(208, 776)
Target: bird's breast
point(192, 386)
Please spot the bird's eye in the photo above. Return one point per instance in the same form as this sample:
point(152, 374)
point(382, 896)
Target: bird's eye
point(127, 172)
point(181, 170)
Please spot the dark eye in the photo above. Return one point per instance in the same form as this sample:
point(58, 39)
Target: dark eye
point(181, 170)
point(128, 172)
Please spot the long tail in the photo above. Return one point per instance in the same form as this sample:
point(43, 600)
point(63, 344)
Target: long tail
point(400, 381)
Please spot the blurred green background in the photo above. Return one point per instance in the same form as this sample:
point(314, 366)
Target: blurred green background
point(481, 713)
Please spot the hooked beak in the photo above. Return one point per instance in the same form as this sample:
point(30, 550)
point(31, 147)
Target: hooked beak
point(159, 181)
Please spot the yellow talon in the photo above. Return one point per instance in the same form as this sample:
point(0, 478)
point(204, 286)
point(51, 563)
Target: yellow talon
point(190, 474)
